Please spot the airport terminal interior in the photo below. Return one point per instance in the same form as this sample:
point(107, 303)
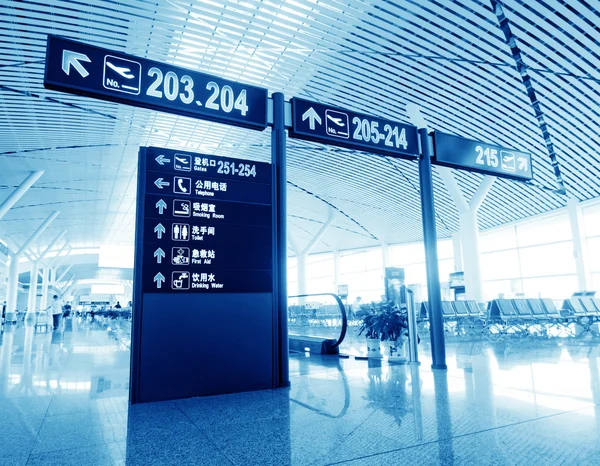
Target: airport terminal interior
point(299, 232)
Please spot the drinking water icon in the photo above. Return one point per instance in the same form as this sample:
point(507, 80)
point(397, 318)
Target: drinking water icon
point(180, 280)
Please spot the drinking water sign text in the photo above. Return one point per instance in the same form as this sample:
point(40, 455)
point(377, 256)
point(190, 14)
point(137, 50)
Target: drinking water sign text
point(330, 125)
point(104, 74)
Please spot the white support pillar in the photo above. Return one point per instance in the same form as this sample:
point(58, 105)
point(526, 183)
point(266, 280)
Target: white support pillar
point(336, 269)
point(33, 283)
point(14, 197)
point(577, 236)
point(301, 268)
point(13, 286)
point(33, 280)
point(469, 231)
point(45, 283)
point(301, 256)
point(458, 262)
point(13, 283)
point(385, 256)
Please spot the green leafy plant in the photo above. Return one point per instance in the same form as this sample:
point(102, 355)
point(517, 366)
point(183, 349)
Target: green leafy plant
point(385, 321)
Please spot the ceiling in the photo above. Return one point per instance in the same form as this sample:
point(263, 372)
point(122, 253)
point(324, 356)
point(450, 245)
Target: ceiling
point(452, 58)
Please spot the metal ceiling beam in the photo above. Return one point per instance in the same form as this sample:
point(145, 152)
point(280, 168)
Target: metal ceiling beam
point(45, 224)
point(522, 68)
point(18, 193)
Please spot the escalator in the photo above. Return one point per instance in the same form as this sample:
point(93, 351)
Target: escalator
point(316, 327)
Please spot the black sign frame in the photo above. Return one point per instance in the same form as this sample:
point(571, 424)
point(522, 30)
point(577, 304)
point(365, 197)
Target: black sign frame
point(447, 156)
point(87, 77)
point(389, 131)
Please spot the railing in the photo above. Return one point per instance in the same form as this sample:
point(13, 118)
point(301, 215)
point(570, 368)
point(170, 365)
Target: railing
point(341, 307)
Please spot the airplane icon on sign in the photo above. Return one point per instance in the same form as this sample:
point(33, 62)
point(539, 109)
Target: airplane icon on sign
point(337, 121)
point(125, 72)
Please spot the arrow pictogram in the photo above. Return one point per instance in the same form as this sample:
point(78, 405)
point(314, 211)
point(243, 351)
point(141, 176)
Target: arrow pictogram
point(71, 58)
point(160, 255)
point(161, 206)
point(523, 164)
point(160, 183)
point(312, 116)
point(159, 279)
point(159, 230)
point(161, 160)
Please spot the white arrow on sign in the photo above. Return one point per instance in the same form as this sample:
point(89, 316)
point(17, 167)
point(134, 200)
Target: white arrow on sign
point(160, 255)
point(312, 116)
point(162, 160)
point(160, 183)
point(159, 278)
point(71, 58)
point(522, 163)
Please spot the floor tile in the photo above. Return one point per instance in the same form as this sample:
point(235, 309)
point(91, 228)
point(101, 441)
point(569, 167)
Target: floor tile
point(98, 455)
point(71, 431)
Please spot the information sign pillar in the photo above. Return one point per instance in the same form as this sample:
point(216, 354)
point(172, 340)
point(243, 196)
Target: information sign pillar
point(436, 323)
point(279, 212)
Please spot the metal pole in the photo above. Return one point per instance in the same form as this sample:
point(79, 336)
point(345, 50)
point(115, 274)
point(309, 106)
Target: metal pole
point(413, 334)
point(436, 323)
point(278, 161)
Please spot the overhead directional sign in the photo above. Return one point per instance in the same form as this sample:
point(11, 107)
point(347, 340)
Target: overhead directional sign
point(457, 152)
point(329, 125)
point(108, 75)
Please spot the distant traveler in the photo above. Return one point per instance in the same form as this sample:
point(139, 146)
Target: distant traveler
point(118, 305)
point(57, 310)
point(4, 310)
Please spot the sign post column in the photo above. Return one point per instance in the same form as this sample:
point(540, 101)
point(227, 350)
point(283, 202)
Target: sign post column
point(279, 186)
point(436, 327)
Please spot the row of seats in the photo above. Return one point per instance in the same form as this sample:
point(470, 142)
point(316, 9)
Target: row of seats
point(454, 310)
point(542, 310)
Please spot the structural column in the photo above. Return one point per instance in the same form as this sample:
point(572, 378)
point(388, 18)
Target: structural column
point(457, 252)
point(301, 269)
point(45, 283)
point(469, 231)
point(302, 256)
point(575, 220)
point(385, 256)
point(13, 285)
point(336, 270)
point(33, 283)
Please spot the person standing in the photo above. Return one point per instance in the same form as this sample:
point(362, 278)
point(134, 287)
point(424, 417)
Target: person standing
point(57, 310)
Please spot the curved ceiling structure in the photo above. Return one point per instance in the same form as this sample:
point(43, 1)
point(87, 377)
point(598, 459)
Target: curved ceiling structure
point(517, 73)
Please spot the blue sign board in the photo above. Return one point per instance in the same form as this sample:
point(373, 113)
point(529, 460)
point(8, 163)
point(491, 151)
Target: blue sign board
point(330, 125)
point(207, 223)
point(108, 75)
point(490, 159)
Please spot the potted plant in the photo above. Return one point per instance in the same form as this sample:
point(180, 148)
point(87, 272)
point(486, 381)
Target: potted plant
point(371, 327)
point(386, 321)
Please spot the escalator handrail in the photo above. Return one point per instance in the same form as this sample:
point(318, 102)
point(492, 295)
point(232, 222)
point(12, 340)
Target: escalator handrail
point(342, 311)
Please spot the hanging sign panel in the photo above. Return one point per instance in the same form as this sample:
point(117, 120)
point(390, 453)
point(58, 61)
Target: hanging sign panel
point(330, 125)
point(490, 159)
point(108, 75)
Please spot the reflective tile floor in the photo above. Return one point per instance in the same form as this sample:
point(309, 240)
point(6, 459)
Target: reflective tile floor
point(63, 401)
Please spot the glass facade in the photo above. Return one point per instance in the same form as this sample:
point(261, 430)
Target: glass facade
point(532, 258)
